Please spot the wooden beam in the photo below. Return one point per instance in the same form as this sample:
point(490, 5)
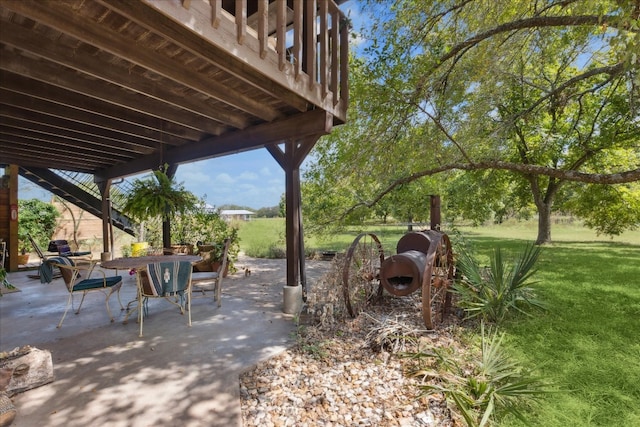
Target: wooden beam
point(302, 148)
point(40, 97)
point(67, 137)
point(203, 47)
point(45, 72)
point(61, 17)
point(126, 141)
point(335, 56)
point(80, 60)
point(47, 145)
point(315, 122)
point(278, 154)
point(13, 225)
point(26, 153)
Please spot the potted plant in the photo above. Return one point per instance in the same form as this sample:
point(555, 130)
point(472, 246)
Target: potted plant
point(158, 197)
point(204, 227)
point(24, 246)
point(4, 283)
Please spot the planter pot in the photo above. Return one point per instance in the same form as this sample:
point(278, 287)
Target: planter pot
point(180, 249)
point(23, 259)
point(139, 248)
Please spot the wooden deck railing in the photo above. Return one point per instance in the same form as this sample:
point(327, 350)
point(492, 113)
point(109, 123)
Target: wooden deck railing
point(305, 49)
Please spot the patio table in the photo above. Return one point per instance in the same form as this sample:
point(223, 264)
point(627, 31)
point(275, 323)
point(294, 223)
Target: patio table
point(128, 263)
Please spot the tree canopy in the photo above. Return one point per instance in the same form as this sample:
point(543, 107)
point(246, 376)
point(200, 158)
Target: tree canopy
point(504, 107)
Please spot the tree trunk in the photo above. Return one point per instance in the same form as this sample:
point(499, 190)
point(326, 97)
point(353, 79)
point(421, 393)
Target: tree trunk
point(544, 223)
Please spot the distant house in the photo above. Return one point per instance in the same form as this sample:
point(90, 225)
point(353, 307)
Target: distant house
point(236, 214)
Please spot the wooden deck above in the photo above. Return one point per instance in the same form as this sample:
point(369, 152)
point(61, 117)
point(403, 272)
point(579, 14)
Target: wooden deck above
point(117, 87)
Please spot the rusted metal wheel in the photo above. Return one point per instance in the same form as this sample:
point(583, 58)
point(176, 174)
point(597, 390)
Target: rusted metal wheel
point(437, 279)
point(361, 272)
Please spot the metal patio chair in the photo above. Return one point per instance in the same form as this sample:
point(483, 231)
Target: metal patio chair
point(71, 276)
point(212, 280)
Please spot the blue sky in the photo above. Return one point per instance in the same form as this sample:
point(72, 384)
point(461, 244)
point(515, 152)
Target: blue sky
point(251, 179)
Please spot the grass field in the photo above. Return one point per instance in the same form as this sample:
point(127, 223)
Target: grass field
point(587, 343)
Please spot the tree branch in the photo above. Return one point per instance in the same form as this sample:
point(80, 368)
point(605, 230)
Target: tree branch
point(611, 70)
point(535, 22)
point(563, 175)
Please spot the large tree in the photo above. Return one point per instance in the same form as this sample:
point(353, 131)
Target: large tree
point(519, 105)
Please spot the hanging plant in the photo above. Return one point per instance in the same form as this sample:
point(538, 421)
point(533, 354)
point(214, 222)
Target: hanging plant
point(158, 196)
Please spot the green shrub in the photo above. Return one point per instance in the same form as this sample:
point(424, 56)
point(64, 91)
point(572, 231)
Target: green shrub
point(491, 293)
point(37, 219)
point(485, 387)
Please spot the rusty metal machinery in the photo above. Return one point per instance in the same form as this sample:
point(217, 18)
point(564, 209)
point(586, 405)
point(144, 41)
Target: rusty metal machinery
point(423, 260)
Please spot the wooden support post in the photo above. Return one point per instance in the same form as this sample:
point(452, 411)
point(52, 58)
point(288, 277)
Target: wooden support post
point(290, 160)
point(166, 223)
point(13, 221)
point(435, 212)
point(292, 197)
point(107, 227)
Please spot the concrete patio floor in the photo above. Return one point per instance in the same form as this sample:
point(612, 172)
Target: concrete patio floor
point(105, 375)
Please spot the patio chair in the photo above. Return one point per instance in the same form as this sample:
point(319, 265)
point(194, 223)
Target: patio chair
point(212, 280)
point(63, 249)
point(70, 274)
point(45, 271)
point(168, 280)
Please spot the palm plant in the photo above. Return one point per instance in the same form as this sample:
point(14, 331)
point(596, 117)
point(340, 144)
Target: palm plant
point(491, 293)
point(484, 389)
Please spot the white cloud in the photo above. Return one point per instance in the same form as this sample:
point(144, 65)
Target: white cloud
point(265, 171)
point(194, 177)
point(224, 178)
point(250, 176)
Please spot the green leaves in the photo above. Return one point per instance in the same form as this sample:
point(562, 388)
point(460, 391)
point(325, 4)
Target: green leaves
point(491, 293)
point(552, 84)
point(158, 196)
point(38, 219)
point(484, 389)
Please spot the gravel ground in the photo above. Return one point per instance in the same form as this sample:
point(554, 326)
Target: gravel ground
point(346, 372)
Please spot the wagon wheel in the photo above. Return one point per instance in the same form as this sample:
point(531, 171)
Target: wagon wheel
point(361, 272)
point(438, 277)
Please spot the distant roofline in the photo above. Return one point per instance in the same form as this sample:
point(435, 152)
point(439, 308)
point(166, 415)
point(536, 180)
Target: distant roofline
point(236, 212)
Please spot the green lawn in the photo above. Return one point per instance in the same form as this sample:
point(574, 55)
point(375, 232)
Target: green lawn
point(258, 235)
point(587, 343)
